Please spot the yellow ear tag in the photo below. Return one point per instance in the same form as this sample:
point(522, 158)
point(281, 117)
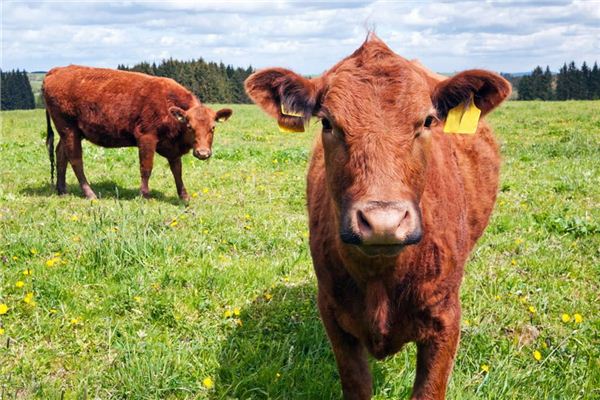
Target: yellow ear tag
point(298, 127)
point(463, 118)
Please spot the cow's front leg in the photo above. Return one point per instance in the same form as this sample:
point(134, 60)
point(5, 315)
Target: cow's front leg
point(435, 358)
point(350, 356)
point(175, 165)
point(147, 148)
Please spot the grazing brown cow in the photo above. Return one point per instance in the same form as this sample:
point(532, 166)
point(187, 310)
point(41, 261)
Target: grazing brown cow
point(120, 109)
point(395, 205)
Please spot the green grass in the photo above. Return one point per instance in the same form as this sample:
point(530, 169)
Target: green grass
point(138, 306)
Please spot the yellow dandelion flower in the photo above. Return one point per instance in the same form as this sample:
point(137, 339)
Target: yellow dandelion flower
point(485, 368)
point(195, 194)
point(565, 317)
point(76, 239)
point(227, 313)
point(268, 296)
point(513, 261)
point(205, 190)
point(275, 161)
point(236, 311)
point(531, 309)
point(466, 322)
point(2, 331)
point(15, 258)
point(286, 279)
point(74, 218)
point(20, 284)
point(578, 318)
point(205, 231)
point(278, 375)
point(33, 251)
point(75, 321)
point(53, 311)
point(27, 272)
point(28, 299)
point(173, 223)
point(137, 299)
point(498, 297)
point(3, 308)
point(53, 261)
point(537, 355)
point(518, 241)
point(523, 299)
point(208, 383)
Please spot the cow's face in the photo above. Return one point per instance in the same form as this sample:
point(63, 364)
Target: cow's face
point(199, 123)
point(377, 113)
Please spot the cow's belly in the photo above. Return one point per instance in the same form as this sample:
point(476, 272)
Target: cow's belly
point(106, 137)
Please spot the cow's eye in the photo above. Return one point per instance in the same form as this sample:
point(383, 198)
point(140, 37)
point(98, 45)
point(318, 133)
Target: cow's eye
point(428, 121)
point(326, 124)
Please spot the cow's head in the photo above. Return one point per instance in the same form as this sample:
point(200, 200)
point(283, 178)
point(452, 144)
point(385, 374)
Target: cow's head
point(377, 112)
point(199, 124)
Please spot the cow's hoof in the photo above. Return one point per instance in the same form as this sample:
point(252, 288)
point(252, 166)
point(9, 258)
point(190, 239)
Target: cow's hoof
point(146, 196)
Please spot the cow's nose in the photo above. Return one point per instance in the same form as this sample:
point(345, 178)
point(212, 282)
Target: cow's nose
point(387, 223)
point(202, 154)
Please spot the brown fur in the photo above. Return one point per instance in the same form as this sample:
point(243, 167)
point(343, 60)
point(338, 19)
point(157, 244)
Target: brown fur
point(119, 109)
point(379, 150)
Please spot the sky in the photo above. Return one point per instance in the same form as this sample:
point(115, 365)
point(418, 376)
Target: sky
point(308, 37)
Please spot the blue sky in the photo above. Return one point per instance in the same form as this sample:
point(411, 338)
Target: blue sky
point(309, 37)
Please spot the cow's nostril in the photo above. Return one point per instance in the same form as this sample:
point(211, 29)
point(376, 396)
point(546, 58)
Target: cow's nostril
point(363, 223)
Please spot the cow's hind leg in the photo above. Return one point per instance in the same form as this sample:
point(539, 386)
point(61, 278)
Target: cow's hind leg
point(72, 145)
point(350, 356)
point(61, 168)
point(147, 148)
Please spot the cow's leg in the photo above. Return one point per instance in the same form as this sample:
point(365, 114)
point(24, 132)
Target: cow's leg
point(175, 165)
point(146, 148)
point(350, 356)
point(72, 148)
point(61, 168)
point(435, 359)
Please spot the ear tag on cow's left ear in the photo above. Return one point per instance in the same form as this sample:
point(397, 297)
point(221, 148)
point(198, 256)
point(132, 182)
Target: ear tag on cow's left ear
point(463, 118)
point(297, 126)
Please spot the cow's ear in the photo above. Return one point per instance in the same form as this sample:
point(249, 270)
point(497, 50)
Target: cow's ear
point(223, 114)
point(178, 114)
point(487, 89)
point(284, 95)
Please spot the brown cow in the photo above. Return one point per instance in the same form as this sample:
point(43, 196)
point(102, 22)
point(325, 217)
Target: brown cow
point(395, 205)
point(120, 109)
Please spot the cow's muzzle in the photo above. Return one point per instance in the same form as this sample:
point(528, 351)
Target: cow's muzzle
point(202, 154)
point(382, 227)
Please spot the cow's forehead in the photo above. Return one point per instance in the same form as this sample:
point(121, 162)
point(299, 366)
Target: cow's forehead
point(200, 113)
point(374, 82)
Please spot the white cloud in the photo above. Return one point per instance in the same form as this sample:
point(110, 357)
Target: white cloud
point(306, 36)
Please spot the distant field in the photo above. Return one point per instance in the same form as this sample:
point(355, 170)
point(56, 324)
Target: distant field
point(126, 298)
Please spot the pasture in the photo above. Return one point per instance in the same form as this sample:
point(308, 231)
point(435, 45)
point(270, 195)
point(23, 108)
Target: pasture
point(149, 299)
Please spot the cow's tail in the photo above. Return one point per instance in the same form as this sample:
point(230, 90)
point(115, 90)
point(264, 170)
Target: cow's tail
point(50, 145)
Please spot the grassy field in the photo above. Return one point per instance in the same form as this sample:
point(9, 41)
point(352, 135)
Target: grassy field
point(126, 298)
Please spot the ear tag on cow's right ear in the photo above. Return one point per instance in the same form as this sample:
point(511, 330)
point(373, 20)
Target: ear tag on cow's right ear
point(463, 118)
point(298, 124)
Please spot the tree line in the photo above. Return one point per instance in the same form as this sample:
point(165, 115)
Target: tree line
point(15, 91)
point(571, 83)
point(211, 82)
